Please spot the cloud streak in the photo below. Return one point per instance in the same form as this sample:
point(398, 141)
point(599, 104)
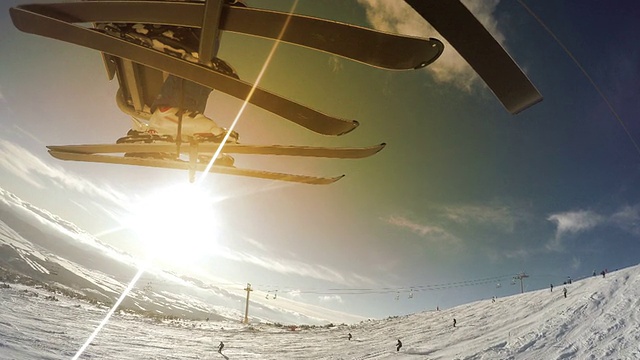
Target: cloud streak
point(292, 267)
point(434, 234)
point(501, 217)
point(28, 167)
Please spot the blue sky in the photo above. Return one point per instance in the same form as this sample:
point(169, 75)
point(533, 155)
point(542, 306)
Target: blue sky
point(464, 191)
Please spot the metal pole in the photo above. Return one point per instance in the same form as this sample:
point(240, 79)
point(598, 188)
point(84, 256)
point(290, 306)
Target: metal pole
point(246, 309)
point(521, 277)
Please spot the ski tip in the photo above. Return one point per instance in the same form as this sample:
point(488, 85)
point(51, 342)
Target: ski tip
point(379, 147)
point(352, 126)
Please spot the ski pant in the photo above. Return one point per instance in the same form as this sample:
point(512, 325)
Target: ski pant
point(181, 93)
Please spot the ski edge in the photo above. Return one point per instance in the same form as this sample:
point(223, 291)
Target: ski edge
point(183, 165)
point(282, 150)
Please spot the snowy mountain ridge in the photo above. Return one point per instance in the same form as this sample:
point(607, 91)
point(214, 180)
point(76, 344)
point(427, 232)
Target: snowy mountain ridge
point(50, 250)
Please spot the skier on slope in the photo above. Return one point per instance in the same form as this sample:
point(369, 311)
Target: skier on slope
point(564, 292)
point(220, 347)
point(398, 345)
point(454, 322)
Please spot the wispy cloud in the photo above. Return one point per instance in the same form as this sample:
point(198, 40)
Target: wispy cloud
point(399, 17)
point(500, 216)
point(628, 218)
point(575, 263)
point(572, 222)
point(432, 233)
point(292, 267)
point(30, 168)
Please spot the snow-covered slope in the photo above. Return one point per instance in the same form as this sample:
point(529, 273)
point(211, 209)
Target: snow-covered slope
point(38, 245)
point(599, 319)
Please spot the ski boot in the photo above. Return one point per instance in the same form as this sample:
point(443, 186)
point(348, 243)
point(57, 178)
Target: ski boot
point(222, 160)
point(164, 121)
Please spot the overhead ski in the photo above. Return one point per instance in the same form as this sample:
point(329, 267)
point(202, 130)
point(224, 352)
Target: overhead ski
point(364, 45)
point(481, 50)
point(167, 155)
point(142, 57)
point(192, 166)
point(210, 148)
point(57, 28)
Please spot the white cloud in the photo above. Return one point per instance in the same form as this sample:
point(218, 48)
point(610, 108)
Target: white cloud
point(293, 267)
point(417, 228)
point(575, 263)
point(575, 221)
point(330, 298)
point(429, 232)
point(500, 216)
point(572, 222)
point(23, 164)
point(399, 17)
point(628, 218)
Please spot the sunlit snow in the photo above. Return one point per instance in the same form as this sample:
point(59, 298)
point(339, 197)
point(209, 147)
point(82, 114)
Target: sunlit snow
point(599, 319)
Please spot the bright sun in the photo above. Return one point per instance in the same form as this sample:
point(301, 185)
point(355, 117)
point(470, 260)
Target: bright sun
point(177, 225)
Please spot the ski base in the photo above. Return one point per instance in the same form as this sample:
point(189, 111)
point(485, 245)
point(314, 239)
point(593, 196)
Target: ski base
point(192, 167)
point(210, 148)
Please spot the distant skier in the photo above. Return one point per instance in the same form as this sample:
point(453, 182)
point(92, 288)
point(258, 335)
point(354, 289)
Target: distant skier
point(398, 345)
point(603, 274)
point(454, 322)
point(564, 292)
point(349, 336)
point(220, 347)
point(551, 287)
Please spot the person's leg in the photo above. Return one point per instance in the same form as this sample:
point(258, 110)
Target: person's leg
point(179, 97)
point(180, 93)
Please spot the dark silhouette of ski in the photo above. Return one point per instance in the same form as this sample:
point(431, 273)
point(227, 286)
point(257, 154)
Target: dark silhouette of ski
point(209, 148)
point(185, 165)
point(57, 26)
point(481, 50)
point(364, 45)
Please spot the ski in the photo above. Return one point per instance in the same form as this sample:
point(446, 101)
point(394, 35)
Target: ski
point(57, 27)
point(364, 45)
point(185, 165)
point(210, 148)
point(481, 50)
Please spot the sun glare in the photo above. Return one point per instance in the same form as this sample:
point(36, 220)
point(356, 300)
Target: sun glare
point(177, 225)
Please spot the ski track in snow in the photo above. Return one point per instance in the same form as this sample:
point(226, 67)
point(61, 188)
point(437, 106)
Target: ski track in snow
point(599, 319)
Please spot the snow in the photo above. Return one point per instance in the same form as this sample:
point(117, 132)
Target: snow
point(35, 243)
point(599, 319)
